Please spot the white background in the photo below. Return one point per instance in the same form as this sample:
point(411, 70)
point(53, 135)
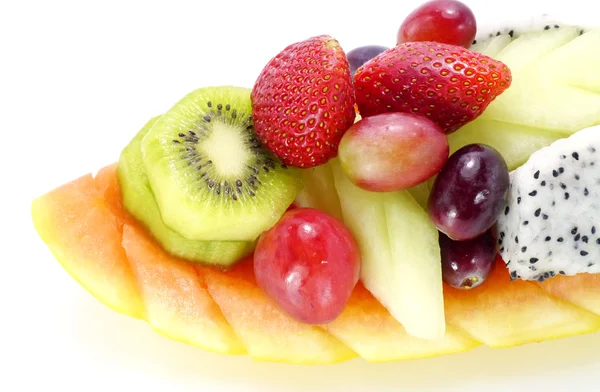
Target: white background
point(78, 80)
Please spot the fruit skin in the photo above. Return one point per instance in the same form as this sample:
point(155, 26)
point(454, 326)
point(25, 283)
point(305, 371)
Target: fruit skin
point(308, 263)
point(303, 102)
point(469, 193)
point(506, 314)
point(448, 84)
point(444, 21)
point(358, 56)
point(392, 151)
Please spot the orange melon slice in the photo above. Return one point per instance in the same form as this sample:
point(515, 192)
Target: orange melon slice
point(266, 331)
point(116, 260)
point(177, 304)
point(84, 235)
point(107, 183)
point(176, 301)
point(501, 313)
point(582, 290)
point(371, 331)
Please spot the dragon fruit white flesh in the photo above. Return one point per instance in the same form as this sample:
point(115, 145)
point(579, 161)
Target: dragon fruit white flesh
point(551, 222)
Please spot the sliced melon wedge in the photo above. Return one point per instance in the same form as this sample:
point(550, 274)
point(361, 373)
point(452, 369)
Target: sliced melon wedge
point(319, 191)
point(504, 313)
point(81, 231)
point(582, 290)
point(515, 142)
point(493, 45)
point(365, 324)
point(400, 255)
point(528, 47)
point(576, 63)
point(83, 224)
point(177, 304)
point(555, 84)
point(265, 330)
point(543, 103)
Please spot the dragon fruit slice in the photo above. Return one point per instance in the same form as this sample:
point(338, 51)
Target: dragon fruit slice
point(551, 222)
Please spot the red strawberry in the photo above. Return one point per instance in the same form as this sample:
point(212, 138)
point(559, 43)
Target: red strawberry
point(448, 84)
point(303, 102)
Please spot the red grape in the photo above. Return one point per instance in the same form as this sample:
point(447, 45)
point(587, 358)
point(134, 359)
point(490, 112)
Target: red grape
point(469, 192)
point(392, 151)
point(467, 264)
point(308, 263)
point(445, 21)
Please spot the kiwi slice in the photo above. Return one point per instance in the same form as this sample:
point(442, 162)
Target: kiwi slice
point(139, 201)
point(211, 177)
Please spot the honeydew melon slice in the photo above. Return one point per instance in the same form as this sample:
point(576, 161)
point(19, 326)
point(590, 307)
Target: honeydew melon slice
point(528, 47)
point(400, 254)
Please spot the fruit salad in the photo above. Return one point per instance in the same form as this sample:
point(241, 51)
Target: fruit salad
point(382, 202)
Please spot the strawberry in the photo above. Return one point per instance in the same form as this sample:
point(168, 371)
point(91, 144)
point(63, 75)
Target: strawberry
point(303, 102)
point(448, 84)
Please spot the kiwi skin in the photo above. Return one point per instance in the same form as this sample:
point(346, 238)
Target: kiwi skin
point(211, 177)
point(139, 201)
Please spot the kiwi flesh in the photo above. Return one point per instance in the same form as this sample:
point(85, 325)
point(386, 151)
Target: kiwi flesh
point(211, 177)
point(139, 201)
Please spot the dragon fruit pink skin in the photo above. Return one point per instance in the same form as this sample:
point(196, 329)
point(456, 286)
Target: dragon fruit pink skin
point(551, 222)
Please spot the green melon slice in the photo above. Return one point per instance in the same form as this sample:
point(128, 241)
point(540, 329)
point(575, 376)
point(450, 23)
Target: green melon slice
point(527, 48)
point(400, 255)
point(555, 92)
point(548, 90)
point(493, 45)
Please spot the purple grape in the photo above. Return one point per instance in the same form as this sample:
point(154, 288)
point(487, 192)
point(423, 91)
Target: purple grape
point(469, 192)
point(359, 56)
point(467, 264)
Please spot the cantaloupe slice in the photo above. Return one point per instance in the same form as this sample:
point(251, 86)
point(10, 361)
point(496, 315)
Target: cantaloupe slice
point(266, 332)
point(504, 313)
point(84, 236)
point(176, 301)
point(83, 224)
point(369, 329)
point(107, 183)
point(177, 304)
point(582, 290)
